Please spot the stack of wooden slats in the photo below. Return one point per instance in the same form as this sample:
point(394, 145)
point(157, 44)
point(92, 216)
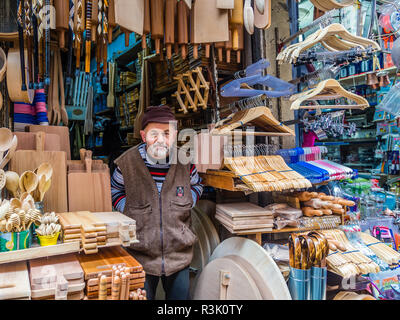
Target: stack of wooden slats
point(101, 264)
point(64, 271)
point(244, 217)
point(85, 227)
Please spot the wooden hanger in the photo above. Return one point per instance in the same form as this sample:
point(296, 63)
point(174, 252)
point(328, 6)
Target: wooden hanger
point(327, 90)
point(257, 116)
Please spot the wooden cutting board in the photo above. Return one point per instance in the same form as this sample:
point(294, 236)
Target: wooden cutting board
point(129, 14)
point(41, 270)
point(208, 23)
point(243, 209)
point(241, 285)
point(263, 21)
point(74, 220)
point(14, 281)
point(103, 261)
point(50, 288)
point(247, 221)
point(55, 198)
point(96, 194)
point(27, 141)
point(62, 131)
point(256, 256)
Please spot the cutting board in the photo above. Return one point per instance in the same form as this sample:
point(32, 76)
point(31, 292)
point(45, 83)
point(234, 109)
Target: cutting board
point(129, 14)
point(95, 196)
point(209, 24)
point(274, 284)
point(14, 281)
point(243, 209)
point(113, 220)
point(50, 288)
point(27, 141)
point(41, 270)
point(241, 284)
point(103, 261)
point(55, 198)
point(62, 131)
point(263, 21)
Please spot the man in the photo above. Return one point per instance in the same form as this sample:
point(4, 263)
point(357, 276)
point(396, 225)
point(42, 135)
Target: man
point(148, 187)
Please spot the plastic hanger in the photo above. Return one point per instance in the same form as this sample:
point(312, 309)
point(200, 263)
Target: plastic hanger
point(254, 76)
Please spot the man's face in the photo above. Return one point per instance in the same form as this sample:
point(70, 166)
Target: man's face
point(159, 137)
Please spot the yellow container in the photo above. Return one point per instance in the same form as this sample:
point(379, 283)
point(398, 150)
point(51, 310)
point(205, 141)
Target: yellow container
point(48, 240)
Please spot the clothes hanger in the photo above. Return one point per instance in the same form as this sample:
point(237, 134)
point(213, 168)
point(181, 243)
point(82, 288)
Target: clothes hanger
point(324, 91)
point(253, 75)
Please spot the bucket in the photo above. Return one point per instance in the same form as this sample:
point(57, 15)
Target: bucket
point(48, 240)
point(318, 283)
point(300, 284)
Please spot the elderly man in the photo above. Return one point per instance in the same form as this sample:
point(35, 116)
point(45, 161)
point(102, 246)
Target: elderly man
point(158, 193)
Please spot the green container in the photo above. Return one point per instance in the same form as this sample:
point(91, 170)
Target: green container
point(11, 241)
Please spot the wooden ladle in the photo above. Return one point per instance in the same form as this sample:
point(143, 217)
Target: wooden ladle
point(6, 138)
point(28, 181)
point(15, 203)
point(12, 183)
point(10, 152)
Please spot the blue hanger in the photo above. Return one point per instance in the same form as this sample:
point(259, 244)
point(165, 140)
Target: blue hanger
point(254, 76)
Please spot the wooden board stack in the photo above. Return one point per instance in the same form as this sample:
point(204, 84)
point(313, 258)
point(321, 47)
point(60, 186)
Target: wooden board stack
point(244, 217)
point(14, 281)
point(63, 271)
point(85, 227)
point(101, 264)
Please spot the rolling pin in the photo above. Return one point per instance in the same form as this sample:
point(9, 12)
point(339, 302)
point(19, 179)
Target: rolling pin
point(157, 22)
point(146, 23)
point(310, 212)
point(94, 19)
point(79, 18)
point(228, 47)
point(241, 44)
point(170, 13)
point(62, 15)
point(115, 289)
point(183, 12)
point(88, 43)
point(235, 22)
point(111, 19)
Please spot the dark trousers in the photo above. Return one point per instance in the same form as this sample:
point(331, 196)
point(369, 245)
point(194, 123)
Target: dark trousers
point(176, 286)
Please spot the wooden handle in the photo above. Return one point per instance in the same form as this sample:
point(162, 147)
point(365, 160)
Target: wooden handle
point(237, 13)
point(235, 39)
point(182, 23)
point(40, 139)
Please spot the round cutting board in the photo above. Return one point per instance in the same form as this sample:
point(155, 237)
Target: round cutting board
point(209, 227)
point(241, 284)
point(203, 243)
point(261, 261)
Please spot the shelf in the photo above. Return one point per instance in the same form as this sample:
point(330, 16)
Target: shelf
point(105, 112)
point(359, 79)
point(128, 88)
point(39, 252)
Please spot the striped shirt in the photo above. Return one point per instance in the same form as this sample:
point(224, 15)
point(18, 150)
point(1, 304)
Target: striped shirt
point(159, 173)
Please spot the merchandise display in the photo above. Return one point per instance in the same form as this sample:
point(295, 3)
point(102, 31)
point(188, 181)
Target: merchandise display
point(278, 175)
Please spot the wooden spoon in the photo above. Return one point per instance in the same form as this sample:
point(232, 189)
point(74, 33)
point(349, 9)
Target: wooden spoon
point(28, 181)
point(15, 203)
point(44, 169)
point(12, 183)
point(44, 186)
point(6, 138)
